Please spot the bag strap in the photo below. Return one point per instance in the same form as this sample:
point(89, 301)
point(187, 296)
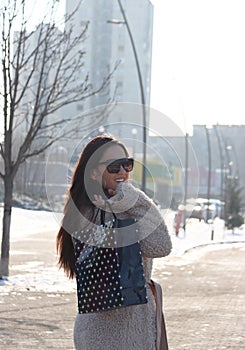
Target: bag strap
point(111, 210)
point(102, 216)
point(102, 213)
point(162, 342)
point(95, 216)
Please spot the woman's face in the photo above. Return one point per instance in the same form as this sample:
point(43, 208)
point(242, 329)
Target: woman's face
point(110, 181)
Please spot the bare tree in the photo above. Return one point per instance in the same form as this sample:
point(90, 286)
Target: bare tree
point(42, 71)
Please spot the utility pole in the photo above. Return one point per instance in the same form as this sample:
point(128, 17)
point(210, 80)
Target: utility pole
point(186, 177)
point(207, 127)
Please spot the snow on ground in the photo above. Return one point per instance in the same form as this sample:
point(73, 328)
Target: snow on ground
point(39, 277)
point(50, 279)
point(200, 233)
point(25, 222)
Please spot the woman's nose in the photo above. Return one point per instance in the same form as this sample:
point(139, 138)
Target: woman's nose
point(122, 170)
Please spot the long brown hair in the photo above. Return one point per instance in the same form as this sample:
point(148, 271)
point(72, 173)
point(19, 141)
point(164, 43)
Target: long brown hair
point(78, 196)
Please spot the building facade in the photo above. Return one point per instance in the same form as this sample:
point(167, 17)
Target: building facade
point(107, 46)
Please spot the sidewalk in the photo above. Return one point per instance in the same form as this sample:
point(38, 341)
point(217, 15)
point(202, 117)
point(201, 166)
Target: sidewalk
point(204, 298)
point(39, 311)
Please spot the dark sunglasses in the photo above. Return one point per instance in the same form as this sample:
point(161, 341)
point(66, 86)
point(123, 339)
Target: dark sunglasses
point(114, 166)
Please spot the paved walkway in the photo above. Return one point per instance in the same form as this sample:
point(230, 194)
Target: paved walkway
point(204, 299)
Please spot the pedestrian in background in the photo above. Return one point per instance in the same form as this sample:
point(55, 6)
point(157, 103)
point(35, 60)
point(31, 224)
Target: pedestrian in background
point(101, 176)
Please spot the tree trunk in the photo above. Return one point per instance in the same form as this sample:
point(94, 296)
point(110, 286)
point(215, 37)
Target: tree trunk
point(8, 196)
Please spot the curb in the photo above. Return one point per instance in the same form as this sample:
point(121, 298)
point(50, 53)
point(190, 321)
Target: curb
point(211, 243)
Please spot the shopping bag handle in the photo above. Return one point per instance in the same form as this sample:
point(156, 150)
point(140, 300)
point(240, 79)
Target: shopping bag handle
point(102, 213)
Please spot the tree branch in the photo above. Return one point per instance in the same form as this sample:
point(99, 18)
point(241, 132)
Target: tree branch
point(47, 73)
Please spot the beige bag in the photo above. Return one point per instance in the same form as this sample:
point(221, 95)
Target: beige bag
point(162, 342)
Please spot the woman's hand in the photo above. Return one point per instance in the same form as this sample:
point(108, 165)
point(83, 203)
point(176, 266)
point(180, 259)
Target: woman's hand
point(99, 201)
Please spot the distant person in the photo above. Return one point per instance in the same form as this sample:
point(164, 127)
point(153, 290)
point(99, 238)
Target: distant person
point(102, 173)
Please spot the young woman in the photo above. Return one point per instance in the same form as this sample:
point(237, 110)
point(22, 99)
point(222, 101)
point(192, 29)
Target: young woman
point(102, 173)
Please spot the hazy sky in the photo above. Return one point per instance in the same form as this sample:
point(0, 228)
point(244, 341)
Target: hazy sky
point(198, 67)
point(198, 71)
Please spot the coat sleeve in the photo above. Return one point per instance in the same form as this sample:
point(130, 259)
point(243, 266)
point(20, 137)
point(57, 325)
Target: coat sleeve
point(154, 236)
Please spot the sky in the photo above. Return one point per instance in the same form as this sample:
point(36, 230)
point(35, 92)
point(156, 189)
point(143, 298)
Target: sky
point(198, 60)
point(198, 70)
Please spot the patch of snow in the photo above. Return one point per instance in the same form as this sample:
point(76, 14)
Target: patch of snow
point(46, 279)
point(200, 233)
point(25, 222)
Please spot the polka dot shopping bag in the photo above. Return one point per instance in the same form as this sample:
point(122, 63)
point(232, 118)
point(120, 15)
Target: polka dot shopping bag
point(109, 275)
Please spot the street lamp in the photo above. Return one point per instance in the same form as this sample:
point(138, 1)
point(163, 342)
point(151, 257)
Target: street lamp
point(228, 177)
point(207, 127)
point(221, 162)
point(186, 177)
point(125, 21)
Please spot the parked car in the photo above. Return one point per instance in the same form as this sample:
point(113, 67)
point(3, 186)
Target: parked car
point(213, 206)
point(197, 209)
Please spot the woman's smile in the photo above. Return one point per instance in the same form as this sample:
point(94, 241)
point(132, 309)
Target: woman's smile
point(110, 181)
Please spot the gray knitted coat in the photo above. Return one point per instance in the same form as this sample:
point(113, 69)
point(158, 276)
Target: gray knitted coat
point(132, 327)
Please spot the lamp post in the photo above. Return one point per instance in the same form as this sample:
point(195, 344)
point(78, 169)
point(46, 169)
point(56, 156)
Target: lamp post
point(186, 178)
point(142, 95)
point(228, 178)
point(207, 127)
point(221, 163)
